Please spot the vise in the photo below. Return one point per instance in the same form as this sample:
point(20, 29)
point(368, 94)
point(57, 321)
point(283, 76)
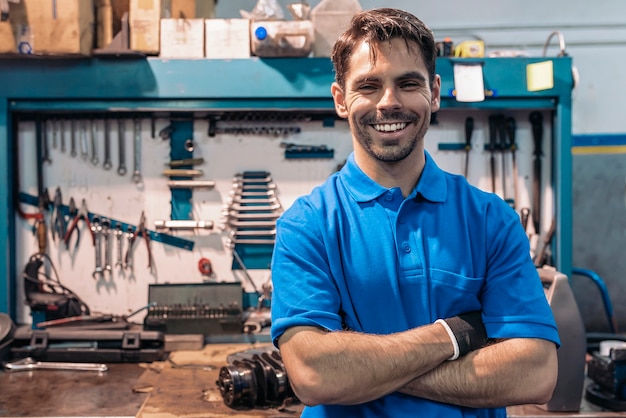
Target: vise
point(608, 373)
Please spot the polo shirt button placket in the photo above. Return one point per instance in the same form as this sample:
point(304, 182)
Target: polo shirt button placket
point(406, 247)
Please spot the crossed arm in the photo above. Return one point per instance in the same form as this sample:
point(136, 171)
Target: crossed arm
point(345, 367)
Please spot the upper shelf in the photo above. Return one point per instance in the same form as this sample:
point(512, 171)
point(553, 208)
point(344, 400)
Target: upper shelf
point(255, 83)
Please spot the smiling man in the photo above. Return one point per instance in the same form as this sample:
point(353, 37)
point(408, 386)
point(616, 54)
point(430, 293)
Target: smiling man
point(401, 290)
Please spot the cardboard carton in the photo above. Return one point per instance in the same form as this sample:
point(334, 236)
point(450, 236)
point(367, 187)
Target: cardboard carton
point(145, 23)
point(7, 39)
point(182, 38)
point(50, 28)
point(227, 38)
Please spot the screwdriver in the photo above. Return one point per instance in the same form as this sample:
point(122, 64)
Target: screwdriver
point(512, 146)
point(493, 139)
point(469, 128)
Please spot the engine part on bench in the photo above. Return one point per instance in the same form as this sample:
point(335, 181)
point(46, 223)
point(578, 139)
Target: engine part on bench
point(255, 378)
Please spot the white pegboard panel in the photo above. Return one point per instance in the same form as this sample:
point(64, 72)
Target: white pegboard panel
point(118, 197)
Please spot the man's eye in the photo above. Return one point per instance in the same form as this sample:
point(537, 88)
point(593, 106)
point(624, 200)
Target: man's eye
point(366, 87)
point(410, 85)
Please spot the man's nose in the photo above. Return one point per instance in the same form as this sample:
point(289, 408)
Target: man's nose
point(389, 99)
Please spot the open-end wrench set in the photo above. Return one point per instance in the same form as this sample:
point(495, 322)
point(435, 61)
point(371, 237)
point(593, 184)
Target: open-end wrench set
point(250, 217)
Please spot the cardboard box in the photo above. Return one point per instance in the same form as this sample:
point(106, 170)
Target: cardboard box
point(182, 38)
point(49, 28)
point(227, 38)
point(7, 39)
point(145, 24)
point(191, 9)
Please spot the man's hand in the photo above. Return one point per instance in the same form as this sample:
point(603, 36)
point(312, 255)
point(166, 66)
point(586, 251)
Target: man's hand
point(466, 331)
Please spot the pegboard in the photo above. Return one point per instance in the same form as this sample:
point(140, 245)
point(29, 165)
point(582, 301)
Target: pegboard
point(225, 153)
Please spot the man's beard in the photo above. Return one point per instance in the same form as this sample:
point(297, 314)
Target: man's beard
point(391, 153)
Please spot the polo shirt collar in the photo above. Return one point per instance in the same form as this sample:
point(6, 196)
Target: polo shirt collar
point(431, 186)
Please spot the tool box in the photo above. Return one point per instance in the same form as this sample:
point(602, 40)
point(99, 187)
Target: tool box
point(106, 346)
point(195, 308)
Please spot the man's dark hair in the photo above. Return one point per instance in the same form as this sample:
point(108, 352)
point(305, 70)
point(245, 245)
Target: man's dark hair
point(381, 25)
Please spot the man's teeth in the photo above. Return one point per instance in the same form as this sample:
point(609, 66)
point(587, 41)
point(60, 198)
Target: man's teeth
point(390, 127)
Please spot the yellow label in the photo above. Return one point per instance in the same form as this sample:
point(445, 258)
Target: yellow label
point(540, 76)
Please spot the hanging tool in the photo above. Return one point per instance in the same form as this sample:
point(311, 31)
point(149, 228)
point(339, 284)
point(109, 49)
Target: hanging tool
point(536, 121)
point(118, 233)
point(137, 152)
point(94, 143)
point(185, 162)
point(141, 231)
point(107, 146)
point(524, 215)
point(121, 148)
point(542, 257)
point(62, 133)
point(42, 127)
point(83, 214)
point(493, 143)
point(84, 147)
point(503, 146)
point(42, 193)
point(130, 239)
point(73, 138)
point(96, 229)
point(469, 128)
point(59, 225)
point(512, 146)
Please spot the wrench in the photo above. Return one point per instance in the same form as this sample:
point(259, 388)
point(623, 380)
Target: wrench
point(53, 127)
point(130, 237)
point(107, 146)
point(96, 228)
point(62, 134)
point(94, 145)
point(84, 148)
point(137, 151)
point(45, 158)
point(72, 138)
point(121, 169)
point(120, 253)
point(28, 364)
point(106, 229)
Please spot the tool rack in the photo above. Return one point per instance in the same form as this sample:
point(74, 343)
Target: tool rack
point(139, 84)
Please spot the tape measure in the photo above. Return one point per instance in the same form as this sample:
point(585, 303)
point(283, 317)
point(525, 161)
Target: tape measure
point(470, 49)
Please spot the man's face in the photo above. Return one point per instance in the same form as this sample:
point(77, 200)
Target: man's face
point(388, 102)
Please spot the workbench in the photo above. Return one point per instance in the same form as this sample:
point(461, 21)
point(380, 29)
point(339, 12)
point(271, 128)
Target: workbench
point(184, 385)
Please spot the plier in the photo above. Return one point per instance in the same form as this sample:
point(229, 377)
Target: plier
point(145, 234)
point(83, 214)
point(59, 224)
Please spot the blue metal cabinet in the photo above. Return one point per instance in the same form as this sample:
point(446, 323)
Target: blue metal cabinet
point(150, 84)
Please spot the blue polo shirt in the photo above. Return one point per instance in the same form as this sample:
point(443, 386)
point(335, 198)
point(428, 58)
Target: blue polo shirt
point(355, 254)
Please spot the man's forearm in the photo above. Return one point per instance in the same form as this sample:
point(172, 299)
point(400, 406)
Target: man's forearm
point(511, 372)
point(346, 367)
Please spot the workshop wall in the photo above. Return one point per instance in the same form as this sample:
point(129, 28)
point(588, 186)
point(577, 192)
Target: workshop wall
point(595, 38)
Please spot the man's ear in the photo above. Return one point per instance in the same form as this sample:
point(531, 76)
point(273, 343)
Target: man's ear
point(435, 99)
point(340, 100)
